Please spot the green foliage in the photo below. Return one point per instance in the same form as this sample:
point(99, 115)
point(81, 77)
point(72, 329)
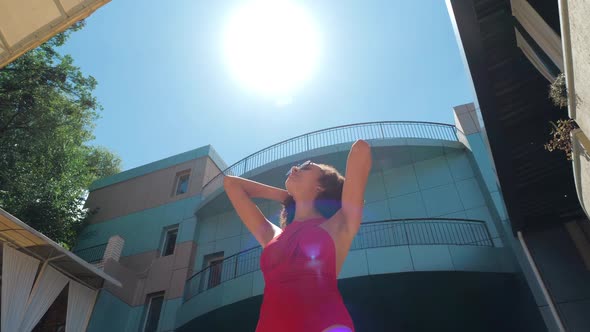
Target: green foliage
point(47, 114)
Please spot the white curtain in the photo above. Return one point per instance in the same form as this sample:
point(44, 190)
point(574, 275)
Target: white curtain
point(80, 304)
point(50, 284)
point(18, 274)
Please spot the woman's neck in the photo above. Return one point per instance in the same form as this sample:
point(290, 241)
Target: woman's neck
point(305, 211)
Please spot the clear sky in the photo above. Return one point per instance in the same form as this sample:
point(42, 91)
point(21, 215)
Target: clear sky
point(166, 89)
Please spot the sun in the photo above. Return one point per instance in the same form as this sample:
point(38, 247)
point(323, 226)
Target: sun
point(271, 47)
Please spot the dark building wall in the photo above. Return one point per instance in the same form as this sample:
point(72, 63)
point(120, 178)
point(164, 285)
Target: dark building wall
point(566, 277)
point(408, 302)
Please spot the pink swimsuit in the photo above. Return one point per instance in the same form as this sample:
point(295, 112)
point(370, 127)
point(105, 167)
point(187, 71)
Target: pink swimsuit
point(301, 293)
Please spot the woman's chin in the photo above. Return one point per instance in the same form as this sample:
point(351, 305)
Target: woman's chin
point(289, 181)
point(290, 186)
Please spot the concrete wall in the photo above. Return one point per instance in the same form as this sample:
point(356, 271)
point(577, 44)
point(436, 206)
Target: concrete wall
point(142, 230)
point(147, 191)
point(406, 182)
point(211, 170)
point(139, 205)
point(141, 269)
point(419, 301)
point(417, 179)
point(579, 29)
point(364, 262)
point(411, 178)
point(111, 314)
point(554, 253)
point(564, 274)
point(148, 273)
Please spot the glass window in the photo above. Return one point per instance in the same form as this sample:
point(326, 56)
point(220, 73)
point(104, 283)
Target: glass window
point(154, 308)
point(213, 267)
point(170, 236)
point(215, 273)
point(182, 184)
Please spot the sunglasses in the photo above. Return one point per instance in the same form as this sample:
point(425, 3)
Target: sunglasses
point(301, 166)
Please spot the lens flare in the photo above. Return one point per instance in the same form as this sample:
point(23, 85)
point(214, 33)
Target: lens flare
point(271, 47)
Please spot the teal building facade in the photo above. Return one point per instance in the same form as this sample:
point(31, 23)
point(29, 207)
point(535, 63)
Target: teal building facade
point(434, 252)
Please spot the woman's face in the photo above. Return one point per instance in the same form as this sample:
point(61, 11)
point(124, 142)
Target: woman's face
point(303, 180)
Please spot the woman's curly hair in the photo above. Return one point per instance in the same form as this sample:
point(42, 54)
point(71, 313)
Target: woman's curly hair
point(327, 202)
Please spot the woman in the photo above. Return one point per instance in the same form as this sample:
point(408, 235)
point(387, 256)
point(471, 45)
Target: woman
point(300, 261)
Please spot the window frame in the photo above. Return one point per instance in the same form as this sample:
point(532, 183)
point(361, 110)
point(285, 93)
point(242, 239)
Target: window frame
point(214, 262)
point(177, 182)
point(149, 299)
point(208, 260)
point(164, 241)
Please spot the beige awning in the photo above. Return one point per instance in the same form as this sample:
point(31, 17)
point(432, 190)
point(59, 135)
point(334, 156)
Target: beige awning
point(26, 24)
point(30, 241)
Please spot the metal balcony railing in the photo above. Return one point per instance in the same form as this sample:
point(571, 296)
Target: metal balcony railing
point(392, 232)
point(329, 137)
point(92, 255)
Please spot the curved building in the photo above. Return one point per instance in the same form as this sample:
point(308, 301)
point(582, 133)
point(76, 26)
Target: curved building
point(432, 252)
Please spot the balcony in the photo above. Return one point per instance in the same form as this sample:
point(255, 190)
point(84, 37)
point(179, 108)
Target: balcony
point(93, 255)
point(341, 135)
point(386, 233)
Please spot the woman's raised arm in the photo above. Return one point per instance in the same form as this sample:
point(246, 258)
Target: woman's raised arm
point(358, 166)
point(240, 192)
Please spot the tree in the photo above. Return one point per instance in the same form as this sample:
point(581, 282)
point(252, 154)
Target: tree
point(47, 114)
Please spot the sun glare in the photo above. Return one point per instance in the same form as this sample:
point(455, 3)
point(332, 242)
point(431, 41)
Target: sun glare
point(271, 47)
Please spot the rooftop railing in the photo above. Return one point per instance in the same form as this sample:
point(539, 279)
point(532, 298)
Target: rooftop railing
point(386, 233)
point(92, 255)
point(333, 136)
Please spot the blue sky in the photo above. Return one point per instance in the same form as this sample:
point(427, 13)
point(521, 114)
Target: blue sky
point(165, 88)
